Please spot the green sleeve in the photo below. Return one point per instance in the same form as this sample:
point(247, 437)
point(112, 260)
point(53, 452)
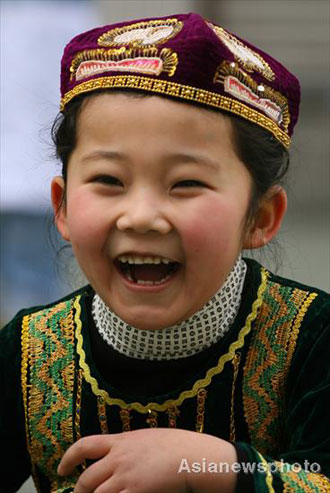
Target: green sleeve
point(15, 465)
point(303, 464)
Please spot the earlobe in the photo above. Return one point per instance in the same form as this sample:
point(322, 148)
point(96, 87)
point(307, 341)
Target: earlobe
point(58, 202)
point(268, 218)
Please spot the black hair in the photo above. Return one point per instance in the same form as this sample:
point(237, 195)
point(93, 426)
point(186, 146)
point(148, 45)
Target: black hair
point(264, 156)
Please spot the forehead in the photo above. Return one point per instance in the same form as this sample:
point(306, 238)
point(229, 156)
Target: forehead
point(135, 112)
point(153, 128)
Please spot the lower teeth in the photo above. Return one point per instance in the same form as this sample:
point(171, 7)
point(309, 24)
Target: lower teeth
point(151, 283)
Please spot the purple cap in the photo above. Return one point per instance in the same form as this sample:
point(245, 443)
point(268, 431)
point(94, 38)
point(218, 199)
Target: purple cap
point(184, 57)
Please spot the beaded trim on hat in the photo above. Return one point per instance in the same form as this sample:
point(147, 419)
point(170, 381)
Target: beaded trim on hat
point(181, 91)
point(187, 338)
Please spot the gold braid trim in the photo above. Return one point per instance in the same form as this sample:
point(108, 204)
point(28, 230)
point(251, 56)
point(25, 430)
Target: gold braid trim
point(125, 419)
point(199, 384)
point(235, 362)
point(172, 412)
point(24, 369)
point(181, 91)
point(25, 386)
point(78, 412)
point(78, 406)
point(152, 419)
point(201, 396)
point(102, 415)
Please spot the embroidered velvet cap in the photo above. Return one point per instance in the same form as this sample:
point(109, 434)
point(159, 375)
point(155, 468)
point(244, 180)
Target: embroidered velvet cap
point(188, 58)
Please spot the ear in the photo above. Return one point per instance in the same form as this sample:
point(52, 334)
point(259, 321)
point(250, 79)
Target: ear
point(268, 219)
point(58, 197)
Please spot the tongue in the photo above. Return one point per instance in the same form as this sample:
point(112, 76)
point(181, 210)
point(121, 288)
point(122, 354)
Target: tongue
point(150, 272)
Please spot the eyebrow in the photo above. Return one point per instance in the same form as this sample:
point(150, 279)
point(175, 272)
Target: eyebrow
point(109, 155)
point(183, 158)
point(170, 159)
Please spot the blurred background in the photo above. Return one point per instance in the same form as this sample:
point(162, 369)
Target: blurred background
point(33, 35)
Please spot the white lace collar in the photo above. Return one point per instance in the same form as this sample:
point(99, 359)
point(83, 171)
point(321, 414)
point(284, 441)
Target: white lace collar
point(189, 337)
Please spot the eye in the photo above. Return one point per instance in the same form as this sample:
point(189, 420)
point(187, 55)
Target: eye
point(108, 180)
point(189, 184)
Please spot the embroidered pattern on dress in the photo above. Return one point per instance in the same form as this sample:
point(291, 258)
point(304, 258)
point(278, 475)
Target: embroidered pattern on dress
point(239, 84)
point(247, 57)
point(147, 33)
point(272, 345)
point(301, 480)
point(125, 419)
point(172, 413)
point(102, 415)
point(147, 61)
point(181, 91)
point(152, 419)
point(201, 397)
point(48, 351)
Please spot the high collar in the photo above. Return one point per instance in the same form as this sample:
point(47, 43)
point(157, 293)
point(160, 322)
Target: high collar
point(187, 338)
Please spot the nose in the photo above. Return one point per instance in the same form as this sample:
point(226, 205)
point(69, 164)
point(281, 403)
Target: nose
point(143, 214)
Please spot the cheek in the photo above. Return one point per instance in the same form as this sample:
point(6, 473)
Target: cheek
point(86, 219)
point(215, 225)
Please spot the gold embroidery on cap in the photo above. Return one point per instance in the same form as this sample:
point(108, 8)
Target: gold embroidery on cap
point(140, 60)
point(183, 92)
point(248, 58)
point(240, 85)
point(145, 34)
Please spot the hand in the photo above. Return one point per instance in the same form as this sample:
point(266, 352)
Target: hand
point(144, 461)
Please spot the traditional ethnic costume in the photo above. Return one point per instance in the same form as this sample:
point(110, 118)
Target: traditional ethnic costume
point(262, 385)
point(251, 367)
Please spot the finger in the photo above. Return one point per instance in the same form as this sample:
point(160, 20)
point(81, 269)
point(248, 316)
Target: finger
point(112, 485)
point(94, 476)
point(91, 447)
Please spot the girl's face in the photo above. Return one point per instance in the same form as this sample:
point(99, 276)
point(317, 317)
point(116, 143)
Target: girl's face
point(150, 177)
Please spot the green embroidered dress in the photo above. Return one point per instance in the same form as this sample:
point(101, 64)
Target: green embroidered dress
point(265, 386)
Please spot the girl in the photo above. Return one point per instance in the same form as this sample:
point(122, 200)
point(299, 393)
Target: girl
point(181, 367)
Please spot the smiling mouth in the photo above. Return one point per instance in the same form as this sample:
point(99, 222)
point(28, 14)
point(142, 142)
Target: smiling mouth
point(148, 271)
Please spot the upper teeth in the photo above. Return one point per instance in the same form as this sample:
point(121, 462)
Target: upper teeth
point(132, 259)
